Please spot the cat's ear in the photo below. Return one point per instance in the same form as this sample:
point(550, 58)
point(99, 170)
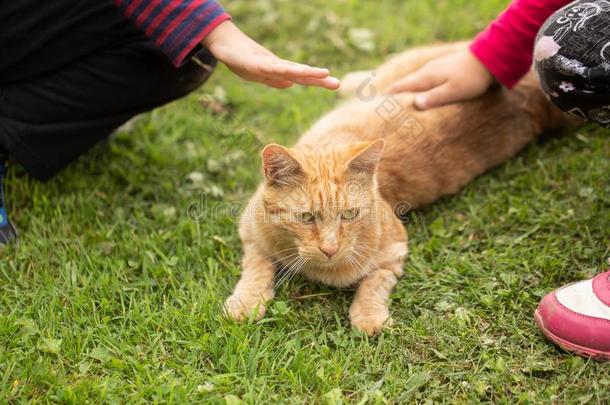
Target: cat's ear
point(365, 158)
point(280, 166)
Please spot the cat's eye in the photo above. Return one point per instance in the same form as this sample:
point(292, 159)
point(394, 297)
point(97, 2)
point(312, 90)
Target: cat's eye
point(350, 214)
point(306, 217)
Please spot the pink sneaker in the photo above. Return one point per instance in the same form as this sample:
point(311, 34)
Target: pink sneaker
point(577, 317)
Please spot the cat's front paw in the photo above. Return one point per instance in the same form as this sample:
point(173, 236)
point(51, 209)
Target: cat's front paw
point(240, 308)
point(370, 321)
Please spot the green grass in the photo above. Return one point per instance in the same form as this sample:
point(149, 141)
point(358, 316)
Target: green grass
point(114, 293)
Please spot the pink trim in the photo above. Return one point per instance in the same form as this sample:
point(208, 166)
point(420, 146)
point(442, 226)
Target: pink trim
point(569, 346)
point(601, 287)
point(579, 330)
point(197, 39)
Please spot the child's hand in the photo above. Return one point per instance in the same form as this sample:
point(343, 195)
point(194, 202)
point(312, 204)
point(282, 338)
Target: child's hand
point(458, 76)
point(253, 62)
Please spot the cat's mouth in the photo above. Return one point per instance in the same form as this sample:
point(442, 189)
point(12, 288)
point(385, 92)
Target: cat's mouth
point(317, 259)
point(326, 262)
point(329, 262)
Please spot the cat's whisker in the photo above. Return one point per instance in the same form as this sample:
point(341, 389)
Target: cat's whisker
point(362, 270)
point(290, 256)
point(291, 271)
point(366, 257)
point(353, 264)
point(367, 253)
point(289, 263)
point(282, 278)
point(360, 251)
point(374, 251)
point(296, 271)
point(299, 267)
point(288, 266)
point(358, 268)
point(368, 263)
point(364, 249)
point(285, 251)
point(281, 273)
point(281, 251)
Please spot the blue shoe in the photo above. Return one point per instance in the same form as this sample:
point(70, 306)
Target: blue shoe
point(8, 232)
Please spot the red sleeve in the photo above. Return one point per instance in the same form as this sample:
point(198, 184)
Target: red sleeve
point(507, 45)
point(176, 26)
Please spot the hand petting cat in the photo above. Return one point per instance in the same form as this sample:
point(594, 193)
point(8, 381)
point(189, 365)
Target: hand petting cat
point(253, 62)
point(458, 76)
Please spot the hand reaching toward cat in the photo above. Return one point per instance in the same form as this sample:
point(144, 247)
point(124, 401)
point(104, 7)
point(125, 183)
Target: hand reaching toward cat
point(458, 76)
point(253, 62)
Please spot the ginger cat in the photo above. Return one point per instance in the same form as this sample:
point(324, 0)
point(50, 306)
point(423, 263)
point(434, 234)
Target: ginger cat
point(327, 207)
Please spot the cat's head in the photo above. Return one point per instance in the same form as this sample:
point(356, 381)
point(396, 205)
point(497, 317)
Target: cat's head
point(322, 202)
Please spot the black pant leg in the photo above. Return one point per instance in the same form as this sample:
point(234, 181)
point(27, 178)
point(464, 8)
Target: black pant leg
point(71, 72)
point(49, 121)
point(37, 37)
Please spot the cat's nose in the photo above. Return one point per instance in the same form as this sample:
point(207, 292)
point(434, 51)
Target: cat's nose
point(329, 250)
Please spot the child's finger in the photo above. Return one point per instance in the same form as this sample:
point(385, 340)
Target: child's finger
point(436, 97)
point(310, 71)
point(331, 83)
point(419, 81)
point(303, 70)
point(287, 70)
point(278, 84)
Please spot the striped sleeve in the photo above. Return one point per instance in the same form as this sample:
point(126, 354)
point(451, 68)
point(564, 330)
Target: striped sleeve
point(176, 26)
